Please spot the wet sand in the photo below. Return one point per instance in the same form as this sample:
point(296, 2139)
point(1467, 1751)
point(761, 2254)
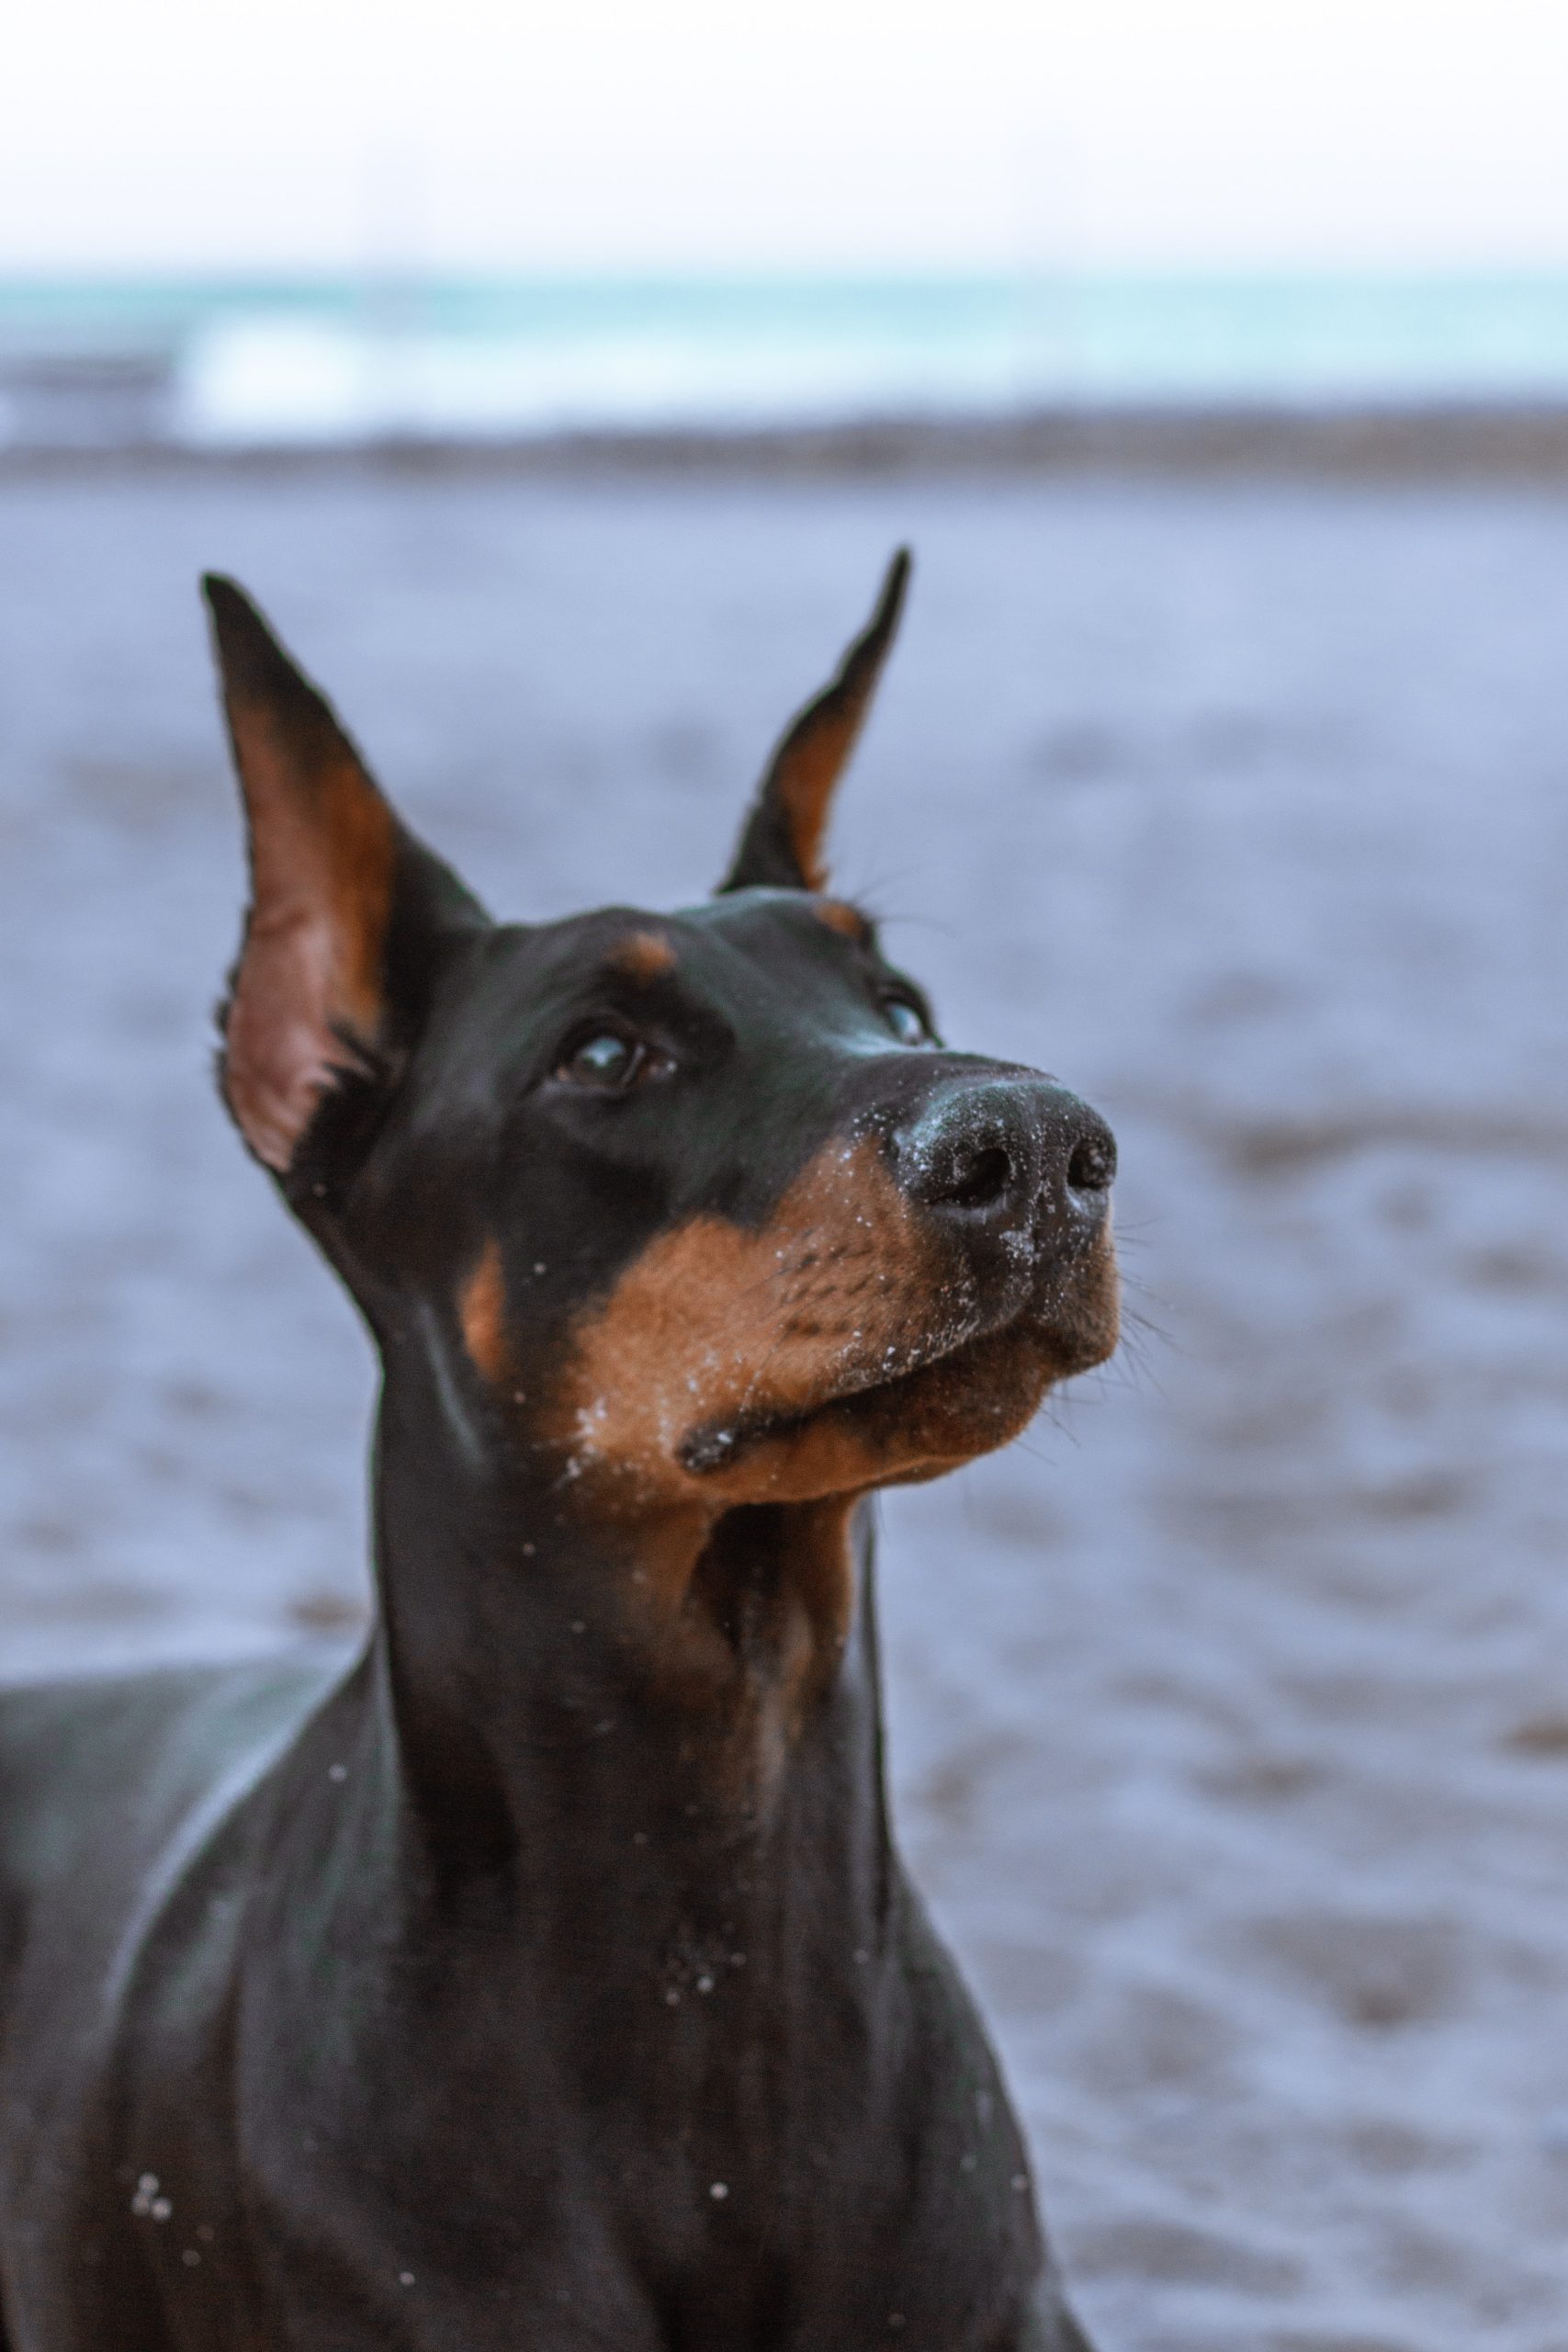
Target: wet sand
point(1231, 1706)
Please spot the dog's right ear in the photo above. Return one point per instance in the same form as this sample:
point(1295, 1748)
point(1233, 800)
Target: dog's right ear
point(349, 914)
point(782, 845)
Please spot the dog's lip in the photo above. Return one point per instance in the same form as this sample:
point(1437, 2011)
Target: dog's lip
point(1028, 1304)
point(717, 1445)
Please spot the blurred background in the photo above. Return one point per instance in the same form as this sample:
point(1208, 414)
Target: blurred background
point(338, 223)
point(560, 384)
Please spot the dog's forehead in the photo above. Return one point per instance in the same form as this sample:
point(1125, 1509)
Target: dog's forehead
point(703, 950)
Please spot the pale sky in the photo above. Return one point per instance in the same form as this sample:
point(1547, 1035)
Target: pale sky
point(850, 134)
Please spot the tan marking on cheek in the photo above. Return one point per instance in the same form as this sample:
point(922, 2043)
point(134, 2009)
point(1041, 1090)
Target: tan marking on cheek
point(481, 1312)
point(837, 915)
point(715, 1323)
point(840, 1323)
point(646, 956)
point(937, 1420)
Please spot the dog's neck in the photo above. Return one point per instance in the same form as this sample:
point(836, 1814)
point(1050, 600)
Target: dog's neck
point(691, 1701)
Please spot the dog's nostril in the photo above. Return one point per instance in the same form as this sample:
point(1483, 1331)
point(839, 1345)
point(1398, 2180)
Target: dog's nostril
point(979, 1181)
point(1092, 1167)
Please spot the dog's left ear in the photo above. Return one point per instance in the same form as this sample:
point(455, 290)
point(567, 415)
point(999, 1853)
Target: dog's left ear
point(349, 915)
point(782, 845)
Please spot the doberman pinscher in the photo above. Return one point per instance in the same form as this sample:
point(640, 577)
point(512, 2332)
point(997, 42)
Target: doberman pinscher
point(549, 1982)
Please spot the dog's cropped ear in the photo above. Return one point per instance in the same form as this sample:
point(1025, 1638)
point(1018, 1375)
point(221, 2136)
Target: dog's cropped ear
point(348, 913)
point(781, 845)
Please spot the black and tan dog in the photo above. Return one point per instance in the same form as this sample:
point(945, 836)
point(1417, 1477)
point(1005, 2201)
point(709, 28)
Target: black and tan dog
point(551, 1983)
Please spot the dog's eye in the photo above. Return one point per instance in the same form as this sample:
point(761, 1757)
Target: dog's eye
point(606, 1059)
point(906, 1020)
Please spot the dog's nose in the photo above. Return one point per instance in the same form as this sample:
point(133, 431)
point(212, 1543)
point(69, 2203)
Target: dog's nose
point(1000, 1154)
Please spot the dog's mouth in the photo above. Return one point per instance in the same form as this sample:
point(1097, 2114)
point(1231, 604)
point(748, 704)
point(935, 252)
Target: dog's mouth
point(919, 1411)
point(857, 1341)
point(873, 1391)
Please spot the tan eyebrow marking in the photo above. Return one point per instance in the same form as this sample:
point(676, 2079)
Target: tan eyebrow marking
point(840, 916)
point(646, 956)
point(482, 1312)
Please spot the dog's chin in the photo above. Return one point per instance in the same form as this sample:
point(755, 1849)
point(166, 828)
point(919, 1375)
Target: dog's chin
point(916, 1426)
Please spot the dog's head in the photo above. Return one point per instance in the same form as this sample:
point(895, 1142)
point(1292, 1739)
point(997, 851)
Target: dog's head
point(692, 1208)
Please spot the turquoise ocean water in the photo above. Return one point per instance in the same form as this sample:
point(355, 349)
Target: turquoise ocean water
point(303, 360)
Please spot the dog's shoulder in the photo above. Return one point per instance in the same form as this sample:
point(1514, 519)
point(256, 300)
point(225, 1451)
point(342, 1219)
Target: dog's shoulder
point(100, 1775)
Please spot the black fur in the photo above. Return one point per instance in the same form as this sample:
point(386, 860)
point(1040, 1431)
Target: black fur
point(526, 1989)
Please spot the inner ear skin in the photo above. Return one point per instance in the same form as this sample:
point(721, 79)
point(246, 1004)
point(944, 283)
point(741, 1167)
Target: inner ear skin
point(781, 841)
point(306, 1000)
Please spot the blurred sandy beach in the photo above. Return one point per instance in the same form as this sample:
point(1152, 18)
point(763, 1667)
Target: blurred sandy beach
point(1231, 1707)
